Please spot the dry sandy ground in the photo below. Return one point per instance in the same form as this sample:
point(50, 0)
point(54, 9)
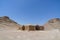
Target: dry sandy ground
point(30, 35)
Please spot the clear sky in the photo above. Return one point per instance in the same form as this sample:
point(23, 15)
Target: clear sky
point(30, 11)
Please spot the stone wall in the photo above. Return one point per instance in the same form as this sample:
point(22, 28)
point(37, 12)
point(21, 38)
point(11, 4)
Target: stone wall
point(32, 28)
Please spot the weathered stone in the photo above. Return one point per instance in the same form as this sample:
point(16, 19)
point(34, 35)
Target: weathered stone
point(28, 27)
point(41, 27)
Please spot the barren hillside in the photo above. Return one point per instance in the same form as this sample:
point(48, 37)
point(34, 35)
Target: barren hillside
point(7, 24)
point(52, 24)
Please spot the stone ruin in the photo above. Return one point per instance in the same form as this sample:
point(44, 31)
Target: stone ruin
point(28, 27)
point(32, 27)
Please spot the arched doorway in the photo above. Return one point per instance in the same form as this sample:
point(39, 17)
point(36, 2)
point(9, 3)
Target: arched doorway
point(37, 27)
point(23, 27)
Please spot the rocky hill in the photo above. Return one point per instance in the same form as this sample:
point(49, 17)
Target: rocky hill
point(7, 24)
point(52, 24)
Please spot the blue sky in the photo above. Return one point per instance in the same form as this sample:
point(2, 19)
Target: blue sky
point(30, 11)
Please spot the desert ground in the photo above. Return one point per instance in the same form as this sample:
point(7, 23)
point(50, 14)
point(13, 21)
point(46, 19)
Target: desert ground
point(29, 35)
